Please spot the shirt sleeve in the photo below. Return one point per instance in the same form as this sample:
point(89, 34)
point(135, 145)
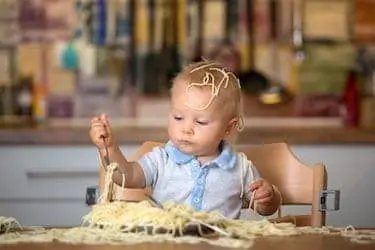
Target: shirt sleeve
point(151, 163)
point(250, 173)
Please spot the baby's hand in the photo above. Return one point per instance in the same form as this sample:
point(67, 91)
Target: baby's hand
point(264, 192)
point(99, 129)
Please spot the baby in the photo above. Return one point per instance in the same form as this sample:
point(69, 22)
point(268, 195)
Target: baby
point(197, 166)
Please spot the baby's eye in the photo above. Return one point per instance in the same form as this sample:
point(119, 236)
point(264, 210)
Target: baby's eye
point(202, 122)
point(177, 118)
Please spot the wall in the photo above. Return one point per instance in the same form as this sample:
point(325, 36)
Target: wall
point(351, 169)
point(35, 190)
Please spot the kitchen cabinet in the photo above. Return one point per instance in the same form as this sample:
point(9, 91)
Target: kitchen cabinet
point(46, 185)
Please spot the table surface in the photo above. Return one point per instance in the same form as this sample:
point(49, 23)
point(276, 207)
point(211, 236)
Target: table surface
point(305, 242)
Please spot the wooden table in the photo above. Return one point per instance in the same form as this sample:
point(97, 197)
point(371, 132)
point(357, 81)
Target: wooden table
point(301, 242)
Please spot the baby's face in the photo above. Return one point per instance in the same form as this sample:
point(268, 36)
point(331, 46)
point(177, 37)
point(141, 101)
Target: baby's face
point(194, 131)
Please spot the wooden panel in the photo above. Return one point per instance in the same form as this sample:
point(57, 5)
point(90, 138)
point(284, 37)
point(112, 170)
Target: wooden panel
point(364, 21)
point(137, 135)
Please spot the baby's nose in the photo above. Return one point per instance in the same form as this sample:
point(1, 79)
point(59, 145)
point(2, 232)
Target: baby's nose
point(188, 128)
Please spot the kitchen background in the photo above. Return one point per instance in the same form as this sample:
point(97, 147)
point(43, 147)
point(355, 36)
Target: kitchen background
point(305, 66)
point(64, 60)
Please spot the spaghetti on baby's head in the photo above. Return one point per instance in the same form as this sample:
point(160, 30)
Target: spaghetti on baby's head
point(222, 85)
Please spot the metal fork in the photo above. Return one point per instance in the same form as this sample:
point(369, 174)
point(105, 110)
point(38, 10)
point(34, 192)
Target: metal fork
point(107, 162)
point(214, 228)
point(106, 157)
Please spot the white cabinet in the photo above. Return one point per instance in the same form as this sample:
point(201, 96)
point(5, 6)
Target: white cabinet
point(46, 185)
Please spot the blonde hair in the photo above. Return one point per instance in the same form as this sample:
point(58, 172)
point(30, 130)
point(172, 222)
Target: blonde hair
point(223, 84)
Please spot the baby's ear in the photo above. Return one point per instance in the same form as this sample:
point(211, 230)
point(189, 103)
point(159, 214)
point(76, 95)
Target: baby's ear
point(232, 125)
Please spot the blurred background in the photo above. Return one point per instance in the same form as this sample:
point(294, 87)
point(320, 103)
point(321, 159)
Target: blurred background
point(307, 71)
point(73, 59)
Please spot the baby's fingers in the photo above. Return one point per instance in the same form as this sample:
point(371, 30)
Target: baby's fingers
point(104, 119)
point(98, 130)
point(101, 133)
point(255, 185)
point(264, 200)
point(96, 119)
point(261, 195)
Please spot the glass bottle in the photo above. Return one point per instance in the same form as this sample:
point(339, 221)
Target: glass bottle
point(351, 100)
point(24, 98)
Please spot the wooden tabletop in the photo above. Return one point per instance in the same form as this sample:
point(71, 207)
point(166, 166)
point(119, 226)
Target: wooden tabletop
point(304, 242)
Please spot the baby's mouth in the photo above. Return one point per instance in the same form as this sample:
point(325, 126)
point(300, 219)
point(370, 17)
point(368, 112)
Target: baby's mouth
point(184, 142)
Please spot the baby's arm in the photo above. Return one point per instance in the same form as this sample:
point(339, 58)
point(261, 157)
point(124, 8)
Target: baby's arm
point(102, 136)
point(134, 177)
point(262, 193)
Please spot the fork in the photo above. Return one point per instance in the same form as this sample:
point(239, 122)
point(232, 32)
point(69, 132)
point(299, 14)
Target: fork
point(214, 228)
point(107, 162)
point(106, 156)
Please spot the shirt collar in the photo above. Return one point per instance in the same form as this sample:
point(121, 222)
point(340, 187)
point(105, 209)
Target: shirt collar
point(226, 159)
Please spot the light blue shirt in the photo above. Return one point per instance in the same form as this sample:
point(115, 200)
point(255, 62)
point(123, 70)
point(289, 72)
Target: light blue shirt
point(218, 185)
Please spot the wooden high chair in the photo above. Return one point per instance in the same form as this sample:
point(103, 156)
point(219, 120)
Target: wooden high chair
point(298, 184)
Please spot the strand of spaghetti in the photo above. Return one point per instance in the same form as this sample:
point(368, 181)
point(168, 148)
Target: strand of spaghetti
point(366, 236)
point(252, 205)
point(123, 182)
point(209, 80)
point(108, 190)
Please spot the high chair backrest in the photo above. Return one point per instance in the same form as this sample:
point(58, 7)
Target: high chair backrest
point(298, 184)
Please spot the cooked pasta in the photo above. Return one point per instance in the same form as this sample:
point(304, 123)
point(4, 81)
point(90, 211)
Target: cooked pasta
point(109, 191)
point(128, 217)
point(116, 235)
point(209, 81)
point(8, 223)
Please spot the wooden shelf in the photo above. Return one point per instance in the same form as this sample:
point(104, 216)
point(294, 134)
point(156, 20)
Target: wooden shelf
point(137, 135)
point(267, 124)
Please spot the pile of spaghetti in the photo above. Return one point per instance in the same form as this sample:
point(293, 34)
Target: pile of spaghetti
point(142, 216)
point(120, 222)
point(115, 232)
